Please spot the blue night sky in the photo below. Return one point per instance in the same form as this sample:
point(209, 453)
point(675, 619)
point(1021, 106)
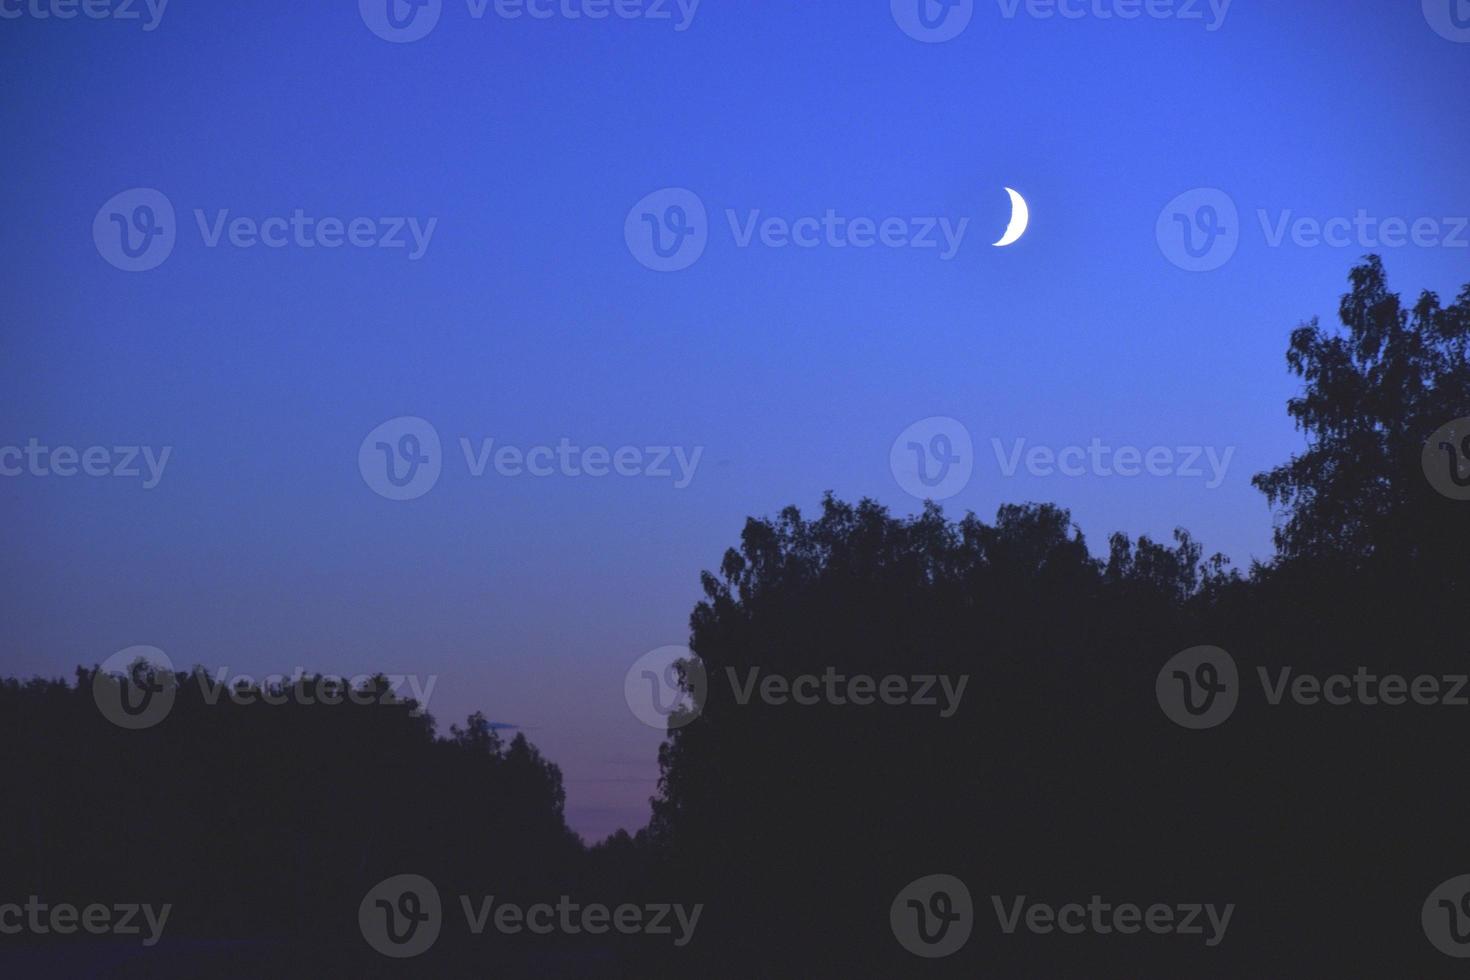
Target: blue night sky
point(528, 320)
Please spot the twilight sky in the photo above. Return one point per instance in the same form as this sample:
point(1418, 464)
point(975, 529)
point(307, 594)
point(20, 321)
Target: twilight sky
point(522, 314)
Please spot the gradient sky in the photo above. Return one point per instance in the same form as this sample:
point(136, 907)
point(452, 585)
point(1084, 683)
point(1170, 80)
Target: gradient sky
point(528, 320)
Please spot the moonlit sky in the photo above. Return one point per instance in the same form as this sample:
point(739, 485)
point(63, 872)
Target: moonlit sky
point(528, 320)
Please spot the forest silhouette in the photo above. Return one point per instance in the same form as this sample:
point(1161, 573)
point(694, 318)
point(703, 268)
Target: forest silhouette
point(795, 826)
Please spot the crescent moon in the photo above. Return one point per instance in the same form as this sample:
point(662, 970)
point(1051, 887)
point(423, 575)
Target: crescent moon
point(1020, 218)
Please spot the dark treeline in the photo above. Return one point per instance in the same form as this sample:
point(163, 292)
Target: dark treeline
point(266, 822)
point(1058, 778)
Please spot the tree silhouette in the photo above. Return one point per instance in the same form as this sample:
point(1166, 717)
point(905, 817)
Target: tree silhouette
point(1062, 777)
point(1056, 776)
point(1374, 393)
